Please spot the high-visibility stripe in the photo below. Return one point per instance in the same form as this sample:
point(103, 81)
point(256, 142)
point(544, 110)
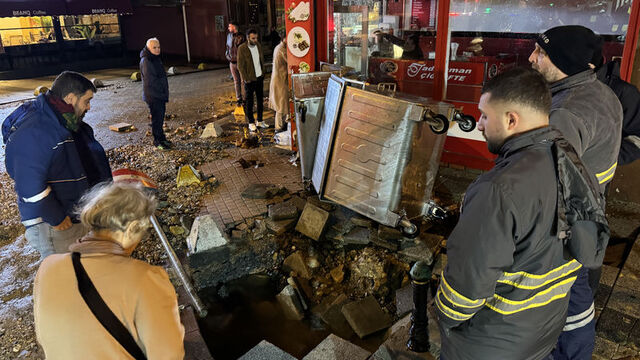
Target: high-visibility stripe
point(62, 142)
point(450, 313)
point(39, 196)
point(524, 280)
point(506, 306)
point(32, 221)
point(456, 298)
point(606, 175)
point(580, 316)
point(582, 323)
point(68, 180)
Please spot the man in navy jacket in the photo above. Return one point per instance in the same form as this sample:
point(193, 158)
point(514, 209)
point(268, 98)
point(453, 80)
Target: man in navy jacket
point(53, 157)
point(155, 90)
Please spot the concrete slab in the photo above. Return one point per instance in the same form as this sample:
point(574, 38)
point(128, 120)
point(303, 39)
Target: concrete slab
point(280, 227)
point(615, 326)
point(283, 211)
point(290, 303)
point(295, 262)
point(206, 242)
point(266, 350)
point(358, 236)
point(312, 221)
point(404, 300)
point(334, 347)
point(625, 301)
point(334, 318)
point(366, 316)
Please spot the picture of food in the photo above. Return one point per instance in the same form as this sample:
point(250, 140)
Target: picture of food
point(298, 13)
point(304, 67)
point(298, 41)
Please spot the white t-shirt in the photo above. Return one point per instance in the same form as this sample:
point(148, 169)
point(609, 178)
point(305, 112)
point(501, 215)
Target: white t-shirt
point(255, 55)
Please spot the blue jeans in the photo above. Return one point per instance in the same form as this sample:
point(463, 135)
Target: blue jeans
point(44, 238)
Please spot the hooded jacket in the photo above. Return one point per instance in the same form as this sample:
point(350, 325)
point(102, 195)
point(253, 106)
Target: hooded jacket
point(154, 79)
point(504, 292)
point(589, 116)
point(629, 97)
point(42, 158)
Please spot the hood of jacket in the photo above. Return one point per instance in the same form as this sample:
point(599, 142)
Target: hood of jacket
point(19, 115)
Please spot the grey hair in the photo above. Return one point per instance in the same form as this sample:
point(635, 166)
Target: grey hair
point(113, 206)
point(152, 39)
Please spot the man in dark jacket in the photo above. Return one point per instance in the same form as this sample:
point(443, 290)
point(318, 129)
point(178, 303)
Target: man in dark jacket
point(629, 97)
point(504, 292)
point(155, 90)
point(589, 116)
point(53, 157)
point(251, 67)
point(231, 53)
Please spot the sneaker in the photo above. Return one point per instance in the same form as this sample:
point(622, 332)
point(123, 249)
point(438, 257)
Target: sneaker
point(162, 147)
point(168, 144)
point(252, 127)
point(263, 124)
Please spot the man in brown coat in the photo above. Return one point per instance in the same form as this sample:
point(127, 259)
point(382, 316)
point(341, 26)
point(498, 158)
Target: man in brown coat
point(251, 67)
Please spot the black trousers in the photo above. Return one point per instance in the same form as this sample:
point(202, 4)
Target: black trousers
point(157, 109)
point(250, 88)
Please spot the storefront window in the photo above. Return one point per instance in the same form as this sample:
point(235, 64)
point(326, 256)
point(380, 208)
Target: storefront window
point(15, 31)
point(91, 27)
point(381, 41)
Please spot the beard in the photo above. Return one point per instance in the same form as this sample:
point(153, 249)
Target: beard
point(550, 75)
point(493, 145)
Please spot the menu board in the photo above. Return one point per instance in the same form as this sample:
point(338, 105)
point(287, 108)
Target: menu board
point(300, 35)
point(332, 102)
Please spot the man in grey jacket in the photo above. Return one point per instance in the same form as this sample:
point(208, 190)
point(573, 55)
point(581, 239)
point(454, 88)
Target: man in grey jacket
point(589, 116)
point(504, 292)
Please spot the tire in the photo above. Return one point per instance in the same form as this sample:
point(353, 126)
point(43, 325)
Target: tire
point(442, 126)
point(467, 123)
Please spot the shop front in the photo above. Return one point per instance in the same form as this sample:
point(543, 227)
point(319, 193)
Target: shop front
point(37, 37)
point(412, 43)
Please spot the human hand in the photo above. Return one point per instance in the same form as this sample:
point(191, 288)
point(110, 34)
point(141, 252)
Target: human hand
point(64, 225)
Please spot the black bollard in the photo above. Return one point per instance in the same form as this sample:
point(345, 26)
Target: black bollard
point(419, 332)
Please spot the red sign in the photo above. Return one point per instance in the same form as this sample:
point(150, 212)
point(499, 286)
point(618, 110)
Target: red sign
point(300, 35)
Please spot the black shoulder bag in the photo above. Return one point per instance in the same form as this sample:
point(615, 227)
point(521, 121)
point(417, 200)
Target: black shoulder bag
point(102, 312)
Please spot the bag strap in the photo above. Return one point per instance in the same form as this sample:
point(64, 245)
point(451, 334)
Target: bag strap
point(102, 312)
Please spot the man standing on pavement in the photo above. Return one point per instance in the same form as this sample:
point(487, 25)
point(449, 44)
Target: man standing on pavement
point(155, 90)
point(504, 291)
point(53, 158)
point(589, 116)
point(231, 53)
point(279, 86)
point(251, 67)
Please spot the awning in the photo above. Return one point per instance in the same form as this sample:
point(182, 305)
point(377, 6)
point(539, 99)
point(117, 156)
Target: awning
point(90, 7)
point(9, 8)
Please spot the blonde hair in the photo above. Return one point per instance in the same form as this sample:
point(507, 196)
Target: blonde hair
point(112, 206)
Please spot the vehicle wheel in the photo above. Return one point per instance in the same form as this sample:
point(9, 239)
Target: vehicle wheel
point(442, 124)
point(467, 123)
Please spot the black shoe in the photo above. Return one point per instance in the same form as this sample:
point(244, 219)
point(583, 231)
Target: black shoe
point(166, 143)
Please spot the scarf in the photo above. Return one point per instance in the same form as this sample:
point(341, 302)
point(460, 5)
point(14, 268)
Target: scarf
point(66, 111)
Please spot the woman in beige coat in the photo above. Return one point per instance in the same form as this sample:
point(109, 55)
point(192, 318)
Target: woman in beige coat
point(139, 295)
point(279, 87)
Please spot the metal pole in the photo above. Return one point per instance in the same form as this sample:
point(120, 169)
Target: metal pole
point(419, 332)
point(186, 32)
point(173, 259)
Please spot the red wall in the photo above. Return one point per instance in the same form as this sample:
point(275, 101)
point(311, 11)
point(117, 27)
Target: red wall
point(166, 24)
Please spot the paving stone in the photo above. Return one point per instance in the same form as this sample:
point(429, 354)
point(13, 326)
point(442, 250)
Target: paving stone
point(404, 300)
point(419, 252)
point(337, 274)
point(297, 201)
point(295, 262)
point(260, 191)
point(366, 316)
point(615, 326)
point(609, 275)
point(238, 234)
point(361, 221)
point(431, 240)
point(312, 221)
point(389, 233)
point(633, 260)
point(283, 211)
point(326, 206)
point(280, 227)
point(334, 347)
point(604, 347)
point(634, 336)
point(206, 242)
point(626, 301)
point(290, 303)
point(602, 295)
point(266, 350)
point(334, 318)
point(625, 353)
point(629, 279)
point(387, 244)
point(395, 344)
point(357, 236)
point(212, 130)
